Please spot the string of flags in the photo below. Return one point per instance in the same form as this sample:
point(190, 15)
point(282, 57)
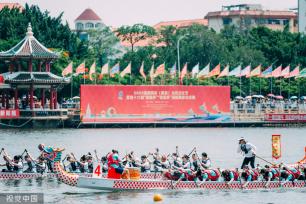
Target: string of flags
point(196, 72)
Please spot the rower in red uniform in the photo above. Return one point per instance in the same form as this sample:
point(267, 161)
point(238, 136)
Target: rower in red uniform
point(230, 175)
point(114, 169)
point(270, 174)
point(210, 175)
point(249, 175)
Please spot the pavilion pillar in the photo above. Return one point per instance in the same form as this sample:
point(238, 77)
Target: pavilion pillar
point(31, 97)
point(43, 98)
point(55, 99)
point(3, 99)
point(27, 99)
point(19, 66)
point(39, 66)
point(11, 68)
point(16, 98)
point(7, 101)
point(30, 65)
point(47, 66)
point(51, 98)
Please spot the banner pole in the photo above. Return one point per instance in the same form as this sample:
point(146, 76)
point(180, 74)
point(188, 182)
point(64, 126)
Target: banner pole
point(71, 87)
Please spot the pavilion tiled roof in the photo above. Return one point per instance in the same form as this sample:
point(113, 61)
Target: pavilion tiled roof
point(29, 47)
point(33, 77)
point(88, 15)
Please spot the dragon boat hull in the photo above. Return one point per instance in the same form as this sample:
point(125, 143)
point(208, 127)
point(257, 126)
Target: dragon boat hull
point(143, 184)
point(14, 176)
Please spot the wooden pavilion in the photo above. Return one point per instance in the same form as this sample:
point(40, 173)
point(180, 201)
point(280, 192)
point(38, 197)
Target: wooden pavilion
point(36, 78)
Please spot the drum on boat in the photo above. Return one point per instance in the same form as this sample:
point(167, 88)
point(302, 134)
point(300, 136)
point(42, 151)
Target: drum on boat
point(133, 173)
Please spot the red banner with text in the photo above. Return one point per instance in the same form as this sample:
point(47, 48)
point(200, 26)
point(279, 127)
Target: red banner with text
point(126, 104)
point(9, 113)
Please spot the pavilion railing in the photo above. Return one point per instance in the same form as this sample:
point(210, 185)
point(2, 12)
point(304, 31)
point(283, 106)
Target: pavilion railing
point(43, 113)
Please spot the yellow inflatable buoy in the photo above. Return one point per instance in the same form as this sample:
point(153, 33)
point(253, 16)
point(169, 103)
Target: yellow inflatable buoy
point(157, 198)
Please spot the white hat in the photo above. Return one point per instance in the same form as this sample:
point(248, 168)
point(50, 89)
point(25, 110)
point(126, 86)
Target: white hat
point(241, 138)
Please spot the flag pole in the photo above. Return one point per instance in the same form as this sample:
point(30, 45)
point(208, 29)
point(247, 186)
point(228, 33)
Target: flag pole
point(240, 83)
point(289, 88)
point(260, 85)
point(71, 87)
point(280, 86)
point(271, 80)
point(250, 88)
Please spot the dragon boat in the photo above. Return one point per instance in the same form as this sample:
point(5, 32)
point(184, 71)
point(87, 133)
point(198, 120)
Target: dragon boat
point(107, 184)
point(14, 176)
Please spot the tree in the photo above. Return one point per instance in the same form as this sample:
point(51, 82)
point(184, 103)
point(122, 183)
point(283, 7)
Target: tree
point(135, 33)
point(104, 44)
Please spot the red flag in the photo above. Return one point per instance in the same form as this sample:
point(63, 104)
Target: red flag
point(141, 71)
point(183, 73)
point(160, 70)
point(215, 71)
point(67, 70)
point(294, 73)
point(80, 69)
point(92, 71)
point(277, 72)
point(285, 71)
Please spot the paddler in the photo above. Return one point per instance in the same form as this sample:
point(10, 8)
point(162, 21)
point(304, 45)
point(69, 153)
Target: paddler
point(210, 175)
point(205, 162)
point(17, 164)
point(249, 175)
point(46, 153)
point(145, 164)
point(270, 174)
point(30, 164)
point(230, 175)
point(104, 164)
point(113, 163)
point(9, 167)
point(40, 165)
point(13, 165)
point(248, 151)
point(7, 159)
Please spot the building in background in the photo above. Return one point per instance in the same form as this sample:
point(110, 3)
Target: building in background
point(87, 20)
point(246, 16)
point(302, 16)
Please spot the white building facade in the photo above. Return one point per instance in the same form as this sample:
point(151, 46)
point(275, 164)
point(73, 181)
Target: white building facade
point(302, 16)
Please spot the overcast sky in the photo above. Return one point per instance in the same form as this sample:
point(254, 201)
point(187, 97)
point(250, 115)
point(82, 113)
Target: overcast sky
point(127, 12)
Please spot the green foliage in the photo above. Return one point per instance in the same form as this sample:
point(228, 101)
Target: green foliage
point(135, 33)
point(201, 45)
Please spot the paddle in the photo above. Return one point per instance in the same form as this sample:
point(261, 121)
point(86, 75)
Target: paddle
point(239, 177)
point(1, 150)
point(265, 160)
point(95, 151)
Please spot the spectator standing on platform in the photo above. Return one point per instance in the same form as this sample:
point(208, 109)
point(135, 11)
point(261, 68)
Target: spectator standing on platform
point(248, 151)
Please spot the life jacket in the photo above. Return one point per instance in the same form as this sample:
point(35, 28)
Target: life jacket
point(90, 167)
point(236, 175)
point(9, 166)
point(73, 166)
point(275, 173)
point(195, 165)
point(253, 173)
point(40, 168)
point(30, 166)
point(295, 172)
point(244, 149)
point(110, 160)
point(212, 177)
